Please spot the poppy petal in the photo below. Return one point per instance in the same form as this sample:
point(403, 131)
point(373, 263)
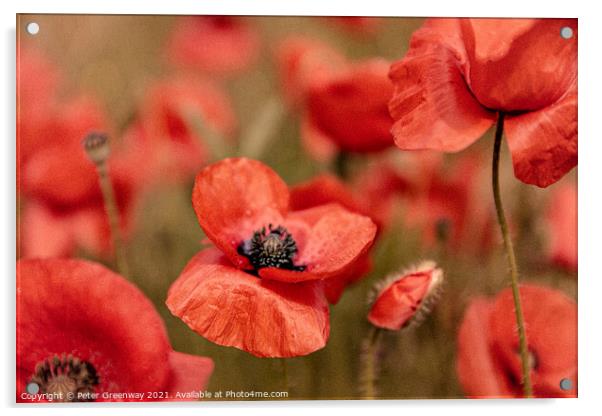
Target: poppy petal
point(317, 143)
point(98, 317)
point(519, 64)
point(352, 107)
point(561, 221)
point(432, 105)
point(189, 373)
point(43, 233)
point(477, 371)
point(232, 308)
point(334, 287)
point(230, 45)
point(301, 61)
point(543, 143)
point(551, 326)
point(321, 190)
point(235, 197)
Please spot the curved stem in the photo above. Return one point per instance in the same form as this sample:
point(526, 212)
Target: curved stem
point(520, 321)
point(369, 364)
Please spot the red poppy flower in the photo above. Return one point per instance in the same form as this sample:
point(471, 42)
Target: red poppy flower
point(300, 61)
point(262, 293)
point(459, 72)
point(61, 186)
point(350, 107)
point(167, 119)
point(82, 329)
point(328, 189)
point(223, 45)
point(561, 219)
point(489, 364)
point(405, 297)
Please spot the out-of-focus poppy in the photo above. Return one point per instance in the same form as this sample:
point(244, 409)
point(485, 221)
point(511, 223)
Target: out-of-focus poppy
point(176, 116)
point(85, 333)
point(343, 104)
point(37, 84)
point(442, 200)
point(261, 291)
point(220, 45)
point(406, 297)
point(302, 60)
point(459, 72)
point(350, 107)
point(61, 186)
point(489, 364)
point(328, 189)
point(561, 227)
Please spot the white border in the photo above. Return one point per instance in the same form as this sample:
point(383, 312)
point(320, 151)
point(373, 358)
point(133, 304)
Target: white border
point(590, 207)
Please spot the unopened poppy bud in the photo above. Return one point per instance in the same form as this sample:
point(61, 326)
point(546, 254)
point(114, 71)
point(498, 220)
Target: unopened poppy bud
point(97, 147)
point(406, 297)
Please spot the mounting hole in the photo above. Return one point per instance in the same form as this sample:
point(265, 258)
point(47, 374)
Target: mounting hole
point(566, 384)
point(566, 32)
point(32, 388)
point(33, 28)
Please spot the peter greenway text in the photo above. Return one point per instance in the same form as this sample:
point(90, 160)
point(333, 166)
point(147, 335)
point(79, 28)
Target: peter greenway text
point(153, 395)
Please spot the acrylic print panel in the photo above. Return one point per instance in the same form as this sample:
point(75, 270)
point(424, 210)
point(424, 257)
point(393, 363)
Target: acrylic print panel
point(277, 208)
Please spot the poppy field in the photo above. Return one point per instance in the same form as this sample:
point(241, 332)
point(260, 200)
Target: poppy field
point(289, 208)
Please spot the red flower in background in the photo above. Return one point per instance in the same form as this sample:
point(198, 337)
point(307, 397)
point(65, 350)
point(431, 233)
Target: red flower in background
point(167, 120)
point(344, 104)
point(442, 200)
point(328, 189)
point(64, 207)
point(261, 291)
point(561, 221)
point(459, 72)
point(37, 82)
point(84, 329)
point(350, 107)
point(405, 297)
point(300, 61)
point(488, 359)
point(223, 45)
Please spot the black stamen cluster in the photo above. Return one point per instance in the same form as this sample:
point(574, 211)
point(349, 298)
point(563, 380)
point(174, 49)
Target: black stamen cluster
point(271, 247)
point(80, 375)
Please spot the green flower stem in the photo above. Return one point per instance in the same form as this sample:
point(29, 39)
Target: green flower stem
point(520, 321)
point(369, 363)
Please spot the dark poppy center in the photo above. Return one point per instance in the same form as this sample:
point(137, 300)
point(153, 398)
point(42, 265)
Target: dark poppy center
point(271, 247)
point(66, 378)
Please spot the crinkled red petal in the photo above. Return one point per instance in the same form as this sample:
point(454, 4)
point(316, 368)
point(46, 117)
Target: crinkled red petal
point(235, 197)
point(232, 308)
